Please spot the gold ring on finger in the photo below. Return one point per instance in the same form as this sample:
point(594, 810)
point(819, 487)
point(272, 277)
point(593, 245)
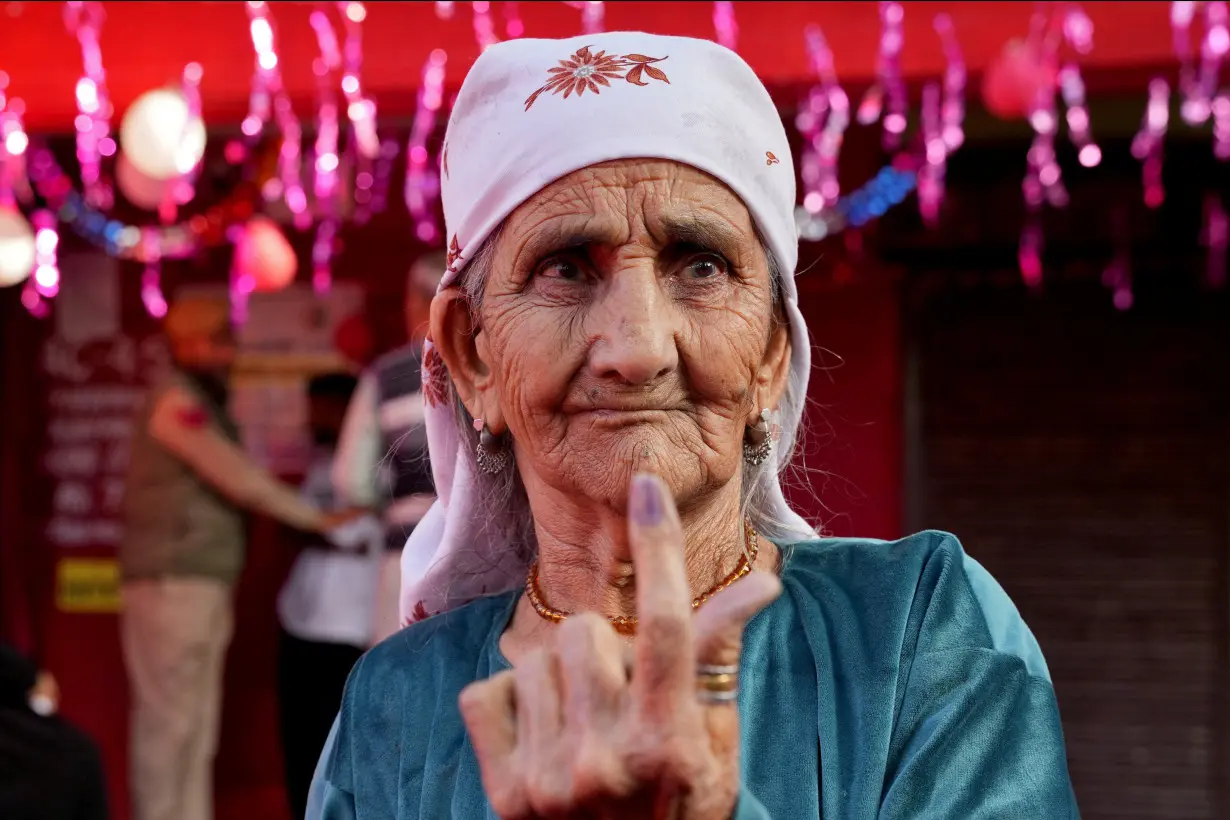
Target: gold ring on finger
point(717, 684)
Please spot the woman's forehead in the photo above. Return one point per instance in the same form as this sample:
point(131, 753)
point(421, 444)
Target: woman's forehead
point(670, 199)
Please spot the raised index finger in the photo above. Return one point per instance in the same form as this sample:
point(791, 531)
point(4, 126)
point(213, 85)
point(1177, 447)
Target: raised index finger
point(664, 667)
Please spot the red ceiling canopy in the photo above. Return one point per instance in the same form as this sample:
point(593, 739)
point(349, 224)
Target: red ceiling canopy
point(147, 44)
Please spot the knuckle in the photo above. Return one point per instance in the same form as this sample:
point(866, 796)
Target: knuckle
point(595, 770)
point(508, 800)
point(546, 793)
point(666, 756)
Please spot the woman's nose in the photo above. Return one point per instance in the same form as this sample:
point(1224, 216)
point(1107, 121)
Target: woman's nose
point(633, 328)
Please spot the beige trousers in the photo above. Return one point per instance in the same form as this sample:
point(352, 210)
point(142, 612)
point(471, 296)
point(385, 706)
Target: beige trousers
point(175, 632)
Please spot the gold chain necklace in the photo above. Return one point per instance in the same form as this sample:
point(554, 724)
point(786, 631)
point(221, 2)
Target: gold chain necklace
point(627, 625)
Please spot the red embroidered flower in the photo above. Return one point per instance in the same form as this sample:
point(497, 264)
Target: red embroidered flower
point(770, 158)
point(435, 378)
point(454, 255)
point(419, 613)
point(587, 71)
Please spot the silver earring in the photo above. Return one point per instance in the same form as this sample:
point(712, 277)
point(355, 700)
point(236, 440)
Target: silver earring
point(490, 453)
point(758, 441)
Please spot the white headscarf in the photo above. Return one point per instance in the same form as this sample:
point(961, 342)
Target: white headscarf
point(529, 113)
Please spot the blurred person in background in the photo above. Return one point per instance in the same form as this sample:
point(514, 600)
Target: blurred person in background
point(188, 482)
point(49, 770)
point(382, 455)
point(326, 605)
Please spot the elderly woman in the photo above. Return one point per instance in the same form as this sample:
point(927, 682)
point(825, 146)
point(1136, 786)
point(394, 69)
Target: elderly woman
point(614, 612)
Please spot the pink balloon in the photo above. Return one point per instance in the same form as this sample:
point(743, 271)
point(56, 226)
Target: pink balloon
point(1015, 81)
point(263, 252)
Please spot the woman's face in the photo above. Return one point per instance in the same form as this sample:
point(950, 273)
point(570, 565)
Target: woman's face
point(627, 325)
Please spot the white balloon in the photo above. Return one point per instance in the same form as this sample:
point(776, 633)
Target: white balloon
point(142, 191)
point(16, 247)
point(157, 136)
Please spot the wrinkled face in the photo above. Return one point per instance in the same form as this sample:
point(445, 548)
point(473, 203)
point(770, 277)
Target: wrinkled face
point(627, 324)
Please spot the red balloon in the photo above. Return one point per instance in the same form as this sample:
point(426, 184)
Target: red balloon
point(1015, 81)
point(353, 339)
point(263, 252)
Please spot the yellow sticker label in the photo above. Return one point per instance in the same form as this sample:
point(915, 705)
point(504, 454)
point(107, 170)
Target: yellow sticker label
point(88, 585)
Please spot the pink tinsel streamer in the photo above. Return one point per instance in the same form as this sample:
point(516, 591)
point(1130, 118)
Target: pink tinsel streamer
point(943, 116)
point(724, 24)
point(13, 144)
point(593, 15)
point(484, 26)
point(931, 174)
point(1215, 237)
point(825, 121)
point(1198, 85)
point(1078, 31)
point(1147, 144)
point(363, 145)
point(896, 105)
point(93, 123)
point(46, 242)
point(326, 187)
point(1221, 125)
point(513, 25)
point(267, 86)
point(422, 183)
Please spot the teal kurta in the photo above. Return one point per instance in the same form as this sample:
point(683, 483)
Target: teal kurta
point(890, 680)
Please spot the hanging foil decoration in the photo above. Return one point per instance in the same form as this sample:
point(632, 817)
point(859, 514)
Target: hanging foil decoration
point(943, 118)
point(1043, 183)
point(363, 142)
point(1117, 276)
point(514, 27)
point(1215, 236)
point(931, 174)
point(484, 26)
point(593, 13)
point(724, 24)
point(46, 242)
point(422, 183)
point(887, 96)
point(1221, 125)
point(1147, 144)
point(93, 123)
point(269, 92)
point(1078, 32)
point(952, 110)
point(822, 120)
point(326, 186)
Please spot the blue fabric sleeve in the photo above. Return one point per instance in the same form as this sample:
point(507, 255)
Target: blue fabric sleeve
point(325, 802)
point(977, 734)
point(749, 808)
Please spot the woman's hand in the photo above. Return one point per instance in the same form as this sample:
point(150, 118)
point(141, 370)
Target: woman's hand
point(587, 727)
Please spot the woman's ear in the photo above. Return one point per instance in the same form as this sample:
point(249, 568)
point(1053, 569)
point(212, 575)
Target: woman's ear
point(774, 371)
point(454, 334)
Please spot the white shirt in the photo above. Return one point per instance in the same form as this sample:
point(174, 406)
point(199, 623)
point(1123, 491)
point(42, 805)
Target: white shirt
point(329, 594)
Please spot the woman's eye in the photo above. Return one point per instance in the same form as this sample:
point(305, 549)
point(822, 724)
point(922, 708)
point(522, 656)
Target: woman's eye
point(560, 269)
point(705, 267)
